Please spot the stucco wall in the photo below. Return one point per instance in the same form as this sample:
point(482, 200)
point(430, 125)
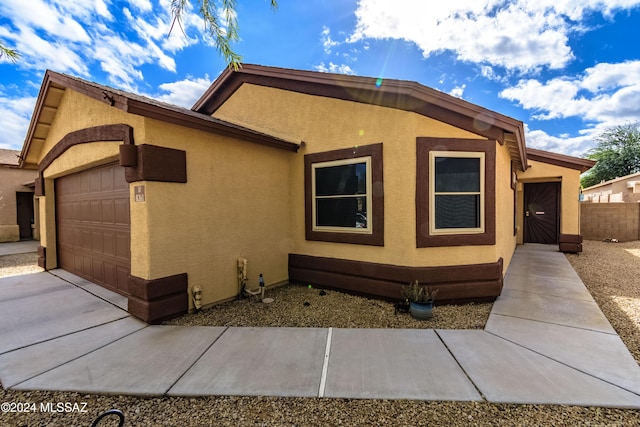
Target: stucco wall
point(327, 124)
point(619, 190)
point(569, 188)
point(11, 181)
point(235, 204)
point(75, 112)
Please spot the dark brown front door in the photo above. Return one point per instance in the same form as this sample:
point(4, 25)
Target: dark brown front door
point(541, 212)
point(93, 225)
point(24, 203)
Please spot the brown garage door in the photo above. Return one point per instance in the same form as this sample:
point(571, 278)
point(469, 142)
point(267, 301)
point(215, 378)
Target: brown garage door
point(94, 231)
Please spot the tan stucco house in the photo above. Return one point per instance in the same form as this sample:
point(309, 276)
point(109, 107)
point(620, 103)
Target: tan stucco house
point(625, 189)
point(17, 219)
point(338, 181)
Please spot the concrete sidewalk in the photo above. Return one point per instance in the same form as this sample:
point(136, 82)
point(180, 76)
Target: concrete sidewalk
point(546, 341)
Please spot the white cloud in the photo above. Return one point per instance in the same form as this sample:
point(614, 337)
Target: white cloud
point(576, 146)
point(141, 5)
point(521, 35)
point(184, 92)
point(605, 93)
point(53, 19)
point(603, 96)
point(457, 91)
point(16, 114)
point(38, 53)
point(335, 68)
point(327, 42)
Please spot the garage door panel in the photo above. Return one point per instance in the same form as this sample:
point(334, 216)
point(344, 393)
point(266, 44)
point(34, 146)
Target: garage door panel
point(122, 278)
point(92, 210)
point(108, 211)
point(121, 210)
point(122, 246)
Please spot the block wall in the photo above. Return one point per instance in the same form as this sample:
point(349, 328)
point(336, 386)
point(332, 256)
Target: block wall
point(599, 221)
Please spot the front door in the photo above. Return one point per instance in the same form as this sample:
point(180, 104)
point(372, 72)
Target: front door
point(24, 203)
point(541, 212)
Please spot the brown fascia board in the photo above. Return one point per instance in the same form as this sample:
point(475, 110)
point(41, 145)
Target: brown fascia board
point(562, 160)
point(146, 107)
point(399, 94)
point(44, 87)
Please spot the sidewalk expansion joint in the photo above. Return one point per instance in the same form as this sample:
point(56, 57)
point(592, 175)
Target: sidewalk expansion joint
point(77, 357)
point(195, 361)
point(564, 364)
point(484, 398)
point(325, 364)
point(553, 323)
point(89, 292)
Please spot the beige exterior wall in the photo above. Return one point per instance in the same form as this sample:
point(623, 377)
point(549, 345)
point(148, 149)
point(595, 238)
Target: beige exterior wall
point(569, 198)
point(11, 181)
point(235, 203)
point(619, 190)
point(75, 112)
point(326, 124)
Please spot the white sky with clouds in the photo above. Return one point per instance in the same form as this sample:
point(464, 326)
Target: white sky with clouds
point(568, 69)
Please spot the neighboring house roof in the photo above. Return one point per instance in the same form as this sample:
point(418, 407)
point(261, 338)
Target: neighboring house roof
point(563, 160)
point(611, 181)
point(399, 94)
point(9, 157)
point(53, 87)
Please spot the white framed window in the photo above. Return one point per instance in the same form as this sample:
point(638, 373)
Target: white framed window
point(342, 196)
point(456, 192)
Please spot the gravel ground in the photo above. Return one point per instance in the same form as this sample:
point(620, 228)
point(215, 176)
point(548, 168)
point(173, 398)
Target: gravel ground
point(609, 270)
point(15, 265)
point(300, 306)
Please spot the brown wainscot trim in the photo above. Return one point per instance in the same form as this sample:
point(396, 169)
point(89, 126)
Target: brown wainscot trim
point(155, 163)
point(571, 243)
point(38, 190)
point(156, 300)
point(117, 132)
point(376, 238)
point(456, 283)
point(424, 145)
point(42, 257)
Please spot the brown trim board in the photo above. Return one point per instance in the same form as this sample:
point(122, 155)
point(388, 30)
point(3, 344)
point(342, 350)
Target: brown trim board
point(571, 243)
point(117, 133)
point(376, 238)
point(398, 94)
point(155, 300)
point(155, 163)
point(42, 257)
point(456, 283)
point(424, 145)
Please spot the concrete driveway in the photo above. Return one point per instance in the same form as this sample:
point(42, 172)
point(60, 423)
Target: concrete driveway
point(546, 342)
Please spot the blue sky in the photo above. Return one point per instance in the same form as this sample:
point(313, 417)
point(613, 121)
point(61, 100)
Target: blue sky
point(567, 68)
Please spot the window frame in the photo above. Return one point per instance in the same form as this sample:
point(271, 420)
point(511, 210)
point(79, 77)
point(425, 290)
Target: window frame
point(425, 224)
point(369, 208)
point(433, 193)
point(374, 233)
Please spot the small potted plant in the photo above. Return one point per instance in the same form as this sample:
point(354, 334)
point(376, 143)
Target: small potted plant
point(420, 299)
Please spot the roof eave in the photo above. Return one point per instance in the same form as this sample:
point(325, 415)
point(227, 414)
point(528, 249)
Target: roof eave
point(399, 94)
point(562, 160)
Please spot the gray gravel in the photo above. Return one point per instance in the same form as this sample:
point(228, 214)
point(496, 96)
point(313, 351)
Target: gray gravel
point(268, 411)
